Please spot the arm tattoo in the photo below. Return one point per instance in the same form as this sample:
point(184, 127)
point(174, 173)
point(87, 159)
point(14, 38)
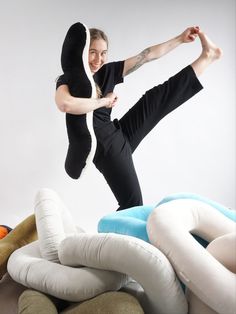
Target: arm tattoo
point(140, 60)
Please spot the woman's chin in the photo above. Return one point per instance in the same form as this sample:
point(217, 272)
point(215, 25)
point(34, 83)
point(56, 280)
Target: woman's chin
point(94, 69)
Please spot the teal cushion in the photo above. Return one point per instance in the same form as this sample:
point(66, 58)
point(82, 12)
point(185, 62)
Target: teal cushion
point(132, 221)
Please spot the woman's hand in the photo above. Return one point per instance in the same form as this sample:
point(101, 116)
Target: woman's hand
point(112, 97)
point(190, 34)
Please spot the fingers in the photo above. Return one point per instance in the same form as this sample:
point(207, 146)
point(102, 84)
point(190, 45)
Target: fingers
point(113, 101)
point(193, 33)
point(196, 29)
point(192, 36)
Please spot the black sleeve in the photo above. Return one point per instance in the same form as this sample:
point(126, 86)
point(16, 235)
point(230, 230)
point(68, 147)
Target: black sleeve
point(118, 71)
point(109, 76)
point(61, 80)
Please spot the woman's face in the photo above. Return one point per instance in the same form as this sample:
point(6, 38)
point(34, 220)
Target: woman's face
point(97, 54)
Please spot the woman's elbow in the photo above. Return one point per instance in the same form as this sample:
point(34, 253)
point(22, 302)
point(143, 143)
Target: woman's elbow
point(63, 106)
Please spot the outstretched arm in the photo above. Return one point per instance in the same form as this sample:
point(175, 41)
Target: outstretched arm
point(74, 105)
point(157, 51)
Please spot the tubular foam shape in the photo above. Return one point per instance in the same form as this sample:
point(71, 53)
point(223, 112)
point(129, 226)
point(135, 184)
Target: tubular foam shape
point(131, 256)
point(37, 266)
point(169, 228)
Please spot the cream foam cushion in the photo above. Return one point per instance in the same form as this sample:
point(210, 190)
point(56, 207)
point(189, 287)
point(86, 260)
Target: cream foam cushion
point(37, 266)
point(223, 249)
point(134, 257)
point(53, 221)
point(26, 266)
point(169, 228)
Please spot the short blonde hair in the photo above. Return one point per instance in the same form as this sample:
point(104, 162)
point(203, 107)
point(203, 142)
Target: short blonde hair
point(96, 33)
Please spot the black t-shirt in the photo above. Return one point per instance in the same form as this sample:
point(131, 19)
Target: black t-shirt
point(107, 77)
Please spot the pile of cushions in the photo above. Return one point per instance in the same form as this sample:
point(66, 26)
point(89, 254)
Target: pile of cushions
point(139, 260)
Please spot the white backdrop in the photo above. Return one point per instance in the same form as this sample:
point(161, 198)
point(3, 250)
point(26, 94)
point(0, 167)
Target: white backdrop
point(191, 150)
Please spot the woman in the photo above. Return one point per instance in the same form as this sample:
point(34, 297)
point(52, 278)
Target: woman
point(117, 140)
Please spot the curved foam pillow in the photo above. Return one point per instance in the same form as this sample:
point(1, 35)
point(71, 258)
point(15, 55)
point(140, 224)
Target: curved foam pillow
point(25, 232)
point(34, 265)
point(223, 209)
point(27, 267)
point(53, 221)
point(169, 228)
point(131, 221)
point(75, 65)
point(131, 256)
point(221, 248)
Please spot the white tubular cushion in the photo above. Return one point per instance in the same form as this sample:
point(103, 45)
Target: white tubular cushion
point(196, 306)
point(53, 222)
point(169, 227)
point(223, 249)
point(27, 267)
point(134, 257)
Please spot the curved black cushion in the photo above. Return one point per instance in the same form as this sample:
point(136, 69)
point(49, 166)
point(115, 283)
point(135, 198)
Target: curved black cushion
point(74, 62)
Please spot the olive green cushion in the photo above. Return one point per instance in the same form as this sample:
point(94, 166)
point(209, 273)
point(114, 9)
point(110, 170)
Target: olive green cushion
point(35, 302)
point(24, 233)
point(32, 301)
point(107, 303)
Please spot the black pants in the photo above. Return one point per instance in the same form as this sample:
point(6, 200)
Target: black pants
point(118, 140)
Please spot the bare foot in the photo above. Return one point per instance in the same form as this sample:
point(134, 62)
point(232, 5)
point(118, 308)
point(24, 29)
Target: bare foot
point(209, 49)
point(210, 53)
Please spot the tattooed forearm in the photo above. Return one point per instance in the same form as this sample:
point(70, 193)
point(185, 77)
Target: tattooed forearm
point(140, 60)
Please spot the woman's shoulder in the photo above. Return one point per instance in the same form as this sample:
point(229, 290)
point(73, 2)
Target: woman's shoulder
point(112, 66)
point(110, 71)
